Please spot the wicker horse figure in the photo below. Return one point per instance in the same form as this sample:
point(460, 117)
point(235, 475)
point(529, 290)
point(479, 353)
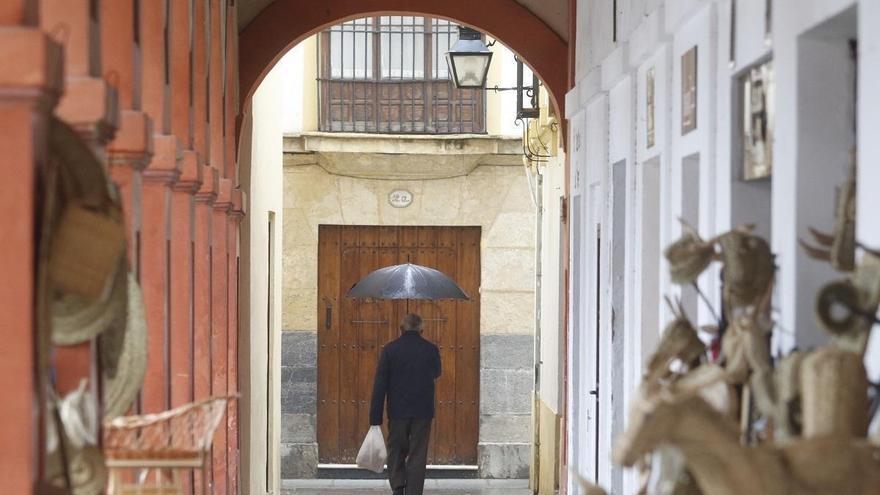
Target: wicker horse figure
point(721, 465)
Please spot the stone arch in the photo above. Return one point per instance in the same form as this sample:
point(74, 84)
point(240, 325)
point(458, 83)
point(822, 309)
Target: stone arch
point(284, 23)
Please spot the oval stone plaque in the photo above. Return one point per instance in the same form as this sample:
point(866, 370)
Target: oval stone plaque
point(400, 198)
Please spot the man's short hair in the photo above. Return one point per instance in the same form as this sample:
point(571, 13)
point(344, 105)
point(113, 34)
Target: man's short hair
point(411, 323)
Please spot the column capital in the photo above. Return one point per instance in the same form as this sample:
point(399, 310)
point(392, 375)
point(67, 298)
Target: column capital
point(91, 106)
point(207, 193)
point(133, 144)
point(33, 68)
point(164, 167)
point(239, 206)
point(190, 180)
point(224, 195)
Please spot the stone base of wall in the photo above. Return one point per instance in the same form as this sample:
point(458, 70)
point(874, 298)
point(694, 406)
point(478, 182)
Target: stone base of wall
point(506, 391)
point(504, 460)
point(299, 461)
point(299, 389)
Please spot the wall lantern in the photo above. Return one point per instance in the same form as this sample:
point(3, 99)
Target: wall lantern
point(469, 59)
point(532, 110)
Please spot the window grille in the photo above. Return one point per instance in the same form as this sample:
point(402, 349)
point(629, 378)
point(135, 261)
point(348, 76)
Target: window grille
point(388, 74)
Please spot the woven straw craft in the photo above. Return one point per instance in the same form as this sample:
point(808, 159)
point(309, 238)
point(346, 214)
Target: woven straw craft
point(777, 395)
point(833, 393)
point(75, 320)
point(123, 350)
point(85, 252)
point(679, 341)
point(838, 248)
point(688, 256)
point(89, 238)
point(748, 267)
point(88, 474)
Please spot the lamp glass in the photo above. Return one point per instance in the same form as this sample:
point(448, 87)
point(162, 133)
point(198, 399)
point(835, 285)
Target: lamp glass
point(469, 60)
point(469, 69)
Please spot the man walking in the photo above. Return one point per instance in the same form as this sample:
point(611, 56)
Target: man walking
point(405, 374)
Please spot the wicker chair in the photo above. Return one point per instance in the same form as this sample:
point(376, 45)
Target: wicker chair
point(156, 447)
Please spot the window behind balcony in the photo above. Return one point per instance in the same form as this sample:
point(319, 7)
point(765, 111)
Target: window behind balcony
point(388, 74)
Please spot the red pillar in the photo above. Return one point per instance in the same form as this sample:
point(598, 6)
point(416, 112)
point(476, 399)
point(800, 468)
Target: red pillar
point(181, 300)
point(219, 323)
point(215, 88)
point(180, 70)
point(204, 201)
point(29, 89)
point(162, 172)
point(158, 178)
point(132, 147)
point(200, 82)
point(89, 104)
point(180, 27)
point(181, 314)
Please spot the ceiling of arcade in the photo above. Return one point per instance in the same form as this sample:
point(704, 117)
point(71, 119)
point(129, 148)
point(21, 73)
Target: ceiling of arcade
point(553, 12)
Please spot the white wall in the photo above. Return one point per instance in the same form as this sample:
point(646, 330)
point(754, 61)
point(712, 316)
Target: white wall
point(701, 170)
point(551, 285)
point(262, 180)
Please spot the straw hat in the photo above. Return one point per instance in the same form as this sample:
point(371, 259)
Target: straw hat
point(124, 355)
point(75, 320)
point(86, 261)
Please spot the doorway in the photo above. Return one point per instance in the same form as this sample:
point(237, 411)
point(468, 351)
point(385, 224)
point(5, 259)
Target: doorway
point(351, 334)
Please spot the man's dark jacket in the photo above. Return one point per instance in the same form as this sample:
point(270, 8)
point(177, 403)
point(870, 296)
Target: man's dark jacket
point(405, 374)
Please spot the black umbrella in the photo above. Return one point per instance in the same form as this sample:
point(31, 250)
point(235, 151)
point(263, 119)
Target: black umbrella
point(407, 281)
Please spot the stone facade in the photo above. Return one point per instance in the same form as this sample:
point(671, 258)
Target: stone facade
point(299, 389)
point(494, 196)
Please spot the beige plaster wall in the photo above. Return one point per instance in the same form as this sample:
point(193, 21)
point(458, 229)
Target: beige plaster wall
point(496, 198)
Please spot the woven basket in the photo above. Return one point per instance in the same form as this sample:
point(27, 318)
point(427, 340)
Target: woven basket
point(182, 435)
point(85, 252)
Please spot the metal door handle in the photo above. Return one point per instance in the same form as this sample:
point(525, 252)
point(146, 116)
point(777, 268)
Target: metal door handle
point(328, 317)
point(594, 392)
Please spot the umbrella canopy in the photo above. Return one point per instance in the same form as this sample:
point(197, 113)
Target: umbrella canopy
point(407, 281)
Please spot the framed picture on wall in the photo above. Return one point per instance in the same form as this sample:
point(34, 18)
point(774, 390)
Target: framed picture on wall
point(649, 108)
point(757, 121)
point(689, 91)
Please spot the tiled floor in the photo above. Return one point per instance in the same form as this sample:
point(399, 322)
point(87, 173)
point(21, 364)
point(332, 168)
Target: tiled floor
point(432, 487)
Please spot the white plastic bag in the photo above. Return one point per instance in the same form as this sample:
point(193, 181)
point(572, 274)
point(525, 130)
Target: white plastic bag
point(373, 454)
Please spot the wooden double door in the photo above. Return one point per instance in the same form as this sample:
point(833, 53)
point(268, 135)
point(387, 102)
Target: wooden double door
point(351, 334)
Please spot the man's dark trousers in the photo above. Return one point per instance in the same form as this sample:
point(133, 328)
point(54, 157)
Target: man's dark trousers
point(405, 377)
point(408, 454)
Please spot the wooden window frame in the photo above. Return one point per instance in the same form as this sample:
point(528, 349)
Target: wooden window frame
point(395, 105)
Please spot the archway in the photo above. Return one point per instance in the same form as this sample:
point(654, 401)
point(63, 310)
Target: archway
point(284, 23)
